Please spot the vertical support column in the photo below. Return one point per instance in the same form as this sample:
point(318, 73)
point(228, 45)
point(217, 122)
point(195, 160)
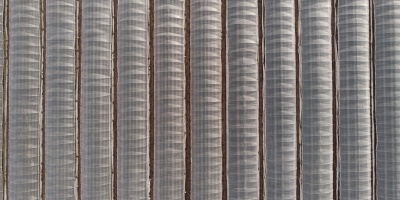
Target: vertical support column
point(317, 99)
point(387, 88)
point(96, 85)
point(243, 100)
point(169, 99)
point(60, 99)
point(280, 100)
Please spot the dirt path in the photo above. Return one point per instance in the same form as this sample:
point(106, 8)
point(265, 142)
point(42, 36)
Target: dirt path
point(223, 71)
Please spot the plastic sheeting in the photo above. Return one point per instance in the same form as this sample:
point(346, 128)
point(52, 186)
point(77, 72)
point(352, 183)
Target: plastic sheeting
point(169, 99)
point(243, 101)
point(95, 100)
point(387, 90)
point(60, 100)
point(280, 100)
point(24, 100)
point(206, 94)
point(316, 97)
point(133, 100)
point(353, 83)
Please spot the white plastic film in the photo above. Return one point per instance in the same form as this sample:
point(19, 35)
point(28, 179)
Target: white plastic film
point(353, 83)
point(24, 100)
point(95, 100)
point(387, 91)
point(169, 99)
point(316, 99)
point(242, 100)
point(206, 94)
point(280, 100)
point(60, 100)
point(133, 100)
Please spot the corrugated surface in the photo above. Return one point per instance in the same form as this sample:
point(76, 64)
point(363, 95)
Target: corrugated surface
point(206, 94)
point(133, 100)
point(60, 100)
point(387, 90)
point(316, 99)
point(169, 99)
point(95, 99)
point(55, 171)
point(24, 100)
point(242, 100)
point(353, 83)
point(280, 100)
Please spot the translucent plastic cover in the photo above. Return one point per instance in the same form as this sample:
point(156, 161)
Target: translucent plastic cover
point(242, 99)
point(206, 94)
point(387, 91)
point(316, 99)
point(24, 100)
point(280, 100)
point(353, 84)
point(169, 99)
point(96, 100)
point(60, 100)
point(133, 100)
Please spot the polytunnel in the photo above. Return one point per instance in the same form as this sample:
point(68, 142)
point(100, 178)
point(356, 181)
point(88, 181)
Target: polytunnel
point(242, 100)
point(199, 99)
point(206, 99)
point(25, 100)
point(354, 101)
point(96, 121)
point(316, 93)
point(280, 100)
point(387, 107)
point(60, 96)
point(169, 99)
point(133, 100)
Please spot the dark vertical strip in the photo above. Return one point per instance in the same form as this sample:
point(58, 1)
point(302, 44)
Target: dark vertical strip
point(372, 88)
point(298, 113)
point(5, 99)
point(151, 95)
point(115, 100)
point(7, 67)
point(79, 81)
point(260, 96)
point(188, 160)
point(334, 102)
point(76, 99)
point(43, 81)
point(223, 138)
